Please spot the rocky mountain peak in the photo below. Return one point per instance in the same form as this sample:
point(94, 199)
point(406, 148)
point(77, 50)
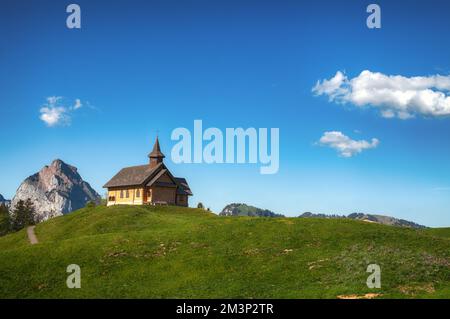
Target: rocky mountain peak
point(55, 190)
point(59, 164)
point(2, 199)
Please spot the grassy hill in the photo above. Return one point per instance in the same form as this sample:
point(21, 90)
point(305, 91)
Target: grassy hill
point(164, 252)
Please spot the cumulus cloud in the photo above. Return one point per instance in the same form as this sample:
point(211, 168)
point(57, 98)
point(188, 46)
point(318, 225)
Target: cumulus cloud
point(54, 113)
point(345, 146)
point(394, 95)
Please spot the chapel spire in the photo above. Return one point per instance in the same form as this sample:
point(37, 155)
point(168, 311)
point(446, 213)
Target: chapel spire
point(156, 156)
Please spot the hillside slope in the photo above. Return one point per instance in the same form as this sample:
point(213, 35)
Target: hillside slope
point(163, 252)
point(373, 218)
point(240, 209)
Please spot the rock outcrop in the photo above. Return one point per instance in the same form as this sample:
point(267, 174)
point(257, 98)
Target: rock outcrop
point(55, 190)
point(4, 201)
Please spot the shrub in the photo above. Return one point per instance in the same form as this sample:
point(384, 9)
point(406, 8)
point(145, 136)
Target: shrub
point(90, 204)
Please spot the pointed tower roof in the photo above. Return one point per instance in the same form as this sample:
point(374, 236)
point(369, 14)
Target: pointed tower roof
point(156, 152)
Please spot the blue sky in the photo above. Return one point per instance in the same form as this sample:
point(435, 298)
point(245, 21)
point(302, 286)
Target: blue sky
point(142, 66)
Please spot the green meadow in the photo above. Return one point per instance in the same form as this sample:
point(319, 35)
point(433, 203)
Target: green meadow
point(174, 252)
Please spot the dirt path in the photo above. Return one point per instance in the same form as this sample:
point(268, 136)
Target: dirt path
point(31, 235)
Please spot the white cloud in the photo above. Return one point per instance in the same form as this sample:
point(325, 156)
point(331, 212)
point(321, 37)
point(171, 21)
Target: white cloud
point(78, 104)
point(345, 146)
point(394, 95)
point(53, 113)
point(53, 99)
point(53, 116)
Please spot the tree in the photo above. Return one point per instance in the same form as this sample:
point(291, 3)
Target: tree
point(5, 220)
point(23, 214)
point(90, 204)
point(200, 205)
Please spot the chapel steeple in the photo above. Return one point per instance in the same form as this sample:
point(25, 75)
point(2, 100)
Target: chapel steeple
point(156, 156)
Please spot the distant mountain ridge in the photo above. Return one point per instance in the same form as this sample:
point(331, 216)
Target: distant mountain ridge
point(374, 218)
point(240, 209)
